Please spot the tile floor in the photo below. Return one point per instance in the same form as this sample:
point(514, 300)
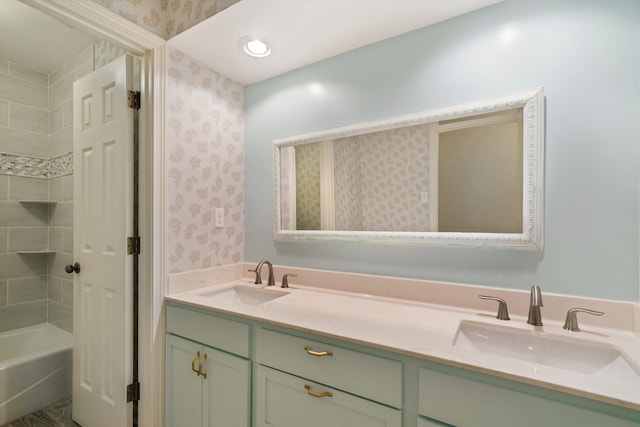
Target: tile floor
point(58, 414)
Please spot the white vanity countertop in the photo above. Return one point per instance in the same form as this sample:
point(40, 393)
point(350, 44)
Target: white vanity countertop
point(425, 330)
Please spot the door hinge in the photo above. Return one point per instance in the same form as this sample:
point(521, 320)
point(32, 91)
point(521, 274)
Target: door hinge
point(133, 245)
point(133, 392)
point(133, 98)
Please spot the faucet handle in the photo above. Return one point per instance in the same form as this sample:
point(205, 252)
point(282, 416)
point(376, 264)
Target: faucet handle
point(285, 280)
point(571, 322)
point(258, 280)
point(503, 313)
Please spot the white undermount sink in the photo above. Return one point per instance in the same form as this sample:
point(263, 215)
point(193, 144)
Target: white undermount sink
point(569, 353)
point(244, 295)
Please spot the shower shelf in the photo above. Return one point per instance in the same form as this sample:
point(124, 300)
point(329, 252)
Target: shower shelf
point(39, 251)
point(47, 202)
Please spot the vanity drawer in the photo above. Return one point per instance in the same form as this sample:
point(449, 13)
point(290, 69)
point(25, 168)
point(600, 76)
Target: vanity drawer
point(214, 331)
point(285, 400)
point(373, 377)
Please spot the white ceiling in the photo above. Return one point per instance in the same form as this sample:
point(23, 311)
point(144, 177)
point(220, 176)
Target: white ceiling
point(302, 32)
point(34, 40)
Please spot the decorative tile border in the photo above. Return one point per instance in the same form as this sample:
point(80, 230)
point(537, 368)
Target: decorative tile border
point(11, 164)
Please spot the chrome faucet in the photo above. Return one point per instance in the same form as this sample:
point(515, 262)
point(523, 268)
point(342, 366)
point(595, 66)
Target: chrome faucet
point(535, 318)
point(271, 281)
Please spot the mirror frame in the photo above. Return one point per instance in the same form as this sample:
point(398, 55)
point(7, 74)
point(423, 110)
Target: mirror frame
point(532, 237)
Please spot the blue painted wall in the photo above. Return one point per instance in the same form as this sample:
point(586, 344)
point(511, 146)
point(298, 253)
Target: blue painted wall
point(586, 55)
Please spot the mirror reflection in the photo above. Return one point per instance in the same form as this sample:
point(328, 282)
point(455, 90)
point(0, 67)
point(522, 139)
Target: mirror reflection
point(453, 171)
point(462, 175)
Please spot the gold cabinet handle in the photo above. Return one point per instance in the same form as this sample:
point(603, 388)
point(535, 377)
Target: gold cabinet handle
point(318, 395)
point(193, 363)
point(204, 359)
point(317, 353)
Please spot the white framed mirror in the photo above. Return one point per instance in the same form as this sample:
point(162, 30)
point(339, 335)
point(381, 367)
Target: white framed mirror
point(470, 174)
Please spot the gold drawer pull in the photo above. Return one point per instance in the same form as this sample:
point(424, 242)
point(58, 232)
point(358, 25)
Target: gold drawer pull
point(204, 359)
point(318, 395)
point(317, 353)
point(193, 363)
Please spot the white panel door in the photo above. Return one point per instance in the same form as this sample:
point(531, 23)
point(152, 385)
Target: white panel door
point(103, 218)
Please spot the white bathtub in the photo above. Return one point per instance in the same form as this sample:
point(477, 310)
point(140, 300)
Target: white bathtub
point(35, 369)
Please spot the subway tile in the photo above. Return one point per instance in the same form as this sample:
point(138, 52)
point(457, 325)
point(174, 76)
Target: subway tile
point(3, 240)
point(84, 69)
point(28, 238)
point(29, 118)
point(61, 214)
point(68, 187)
point(56, 119)
point(4, 187)
point(67, 239)
point(56, 188)
point(68, 114)
point(4, 113)
point(60, 316)
point(67, 292)
point(27, 289)
point(61, 188)
point(3, 292)
point(57, 262)
point(21, 315)
point(62, 142)
point(62, 90)
point(54, 289)
point(25, 188)
point(25, 73)
point(24, 92)
point(29, 214)
point(56, 241)
point(14, 266)
point(56, 75)
point(79, 60)
point(22, 142)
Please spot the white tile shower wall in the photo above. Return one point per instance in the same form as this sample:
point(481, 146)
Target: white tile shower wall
point(166, 18)
point(205, 165)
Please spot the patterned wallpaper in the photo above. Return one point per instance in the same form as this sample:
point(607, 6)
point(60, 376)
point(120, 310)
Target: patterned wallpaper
point(308, 187)
point(380, 179)
point(166, 18)
point(205, 170)
point(347, 191)
point(394, 173)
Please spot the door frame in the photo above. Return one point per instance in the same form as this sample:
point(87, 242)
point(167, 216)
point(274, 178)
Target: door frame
point(98, 21)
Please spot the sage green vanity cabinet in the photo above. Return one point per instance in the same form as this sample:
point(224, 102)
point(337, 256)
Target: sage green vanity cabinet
point(205, 386)
point(261, 374)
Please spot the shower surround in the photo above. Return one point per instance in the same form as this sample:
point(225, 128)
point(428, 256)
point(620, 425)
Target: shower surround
point(36, 189)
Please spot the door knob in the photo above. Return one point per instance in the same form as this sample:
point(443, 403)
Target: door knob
point(75, 268)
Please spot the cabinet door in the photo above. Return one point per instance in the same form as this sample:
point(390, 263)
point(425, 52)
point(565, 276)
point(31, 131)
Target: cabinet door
point(285, 401)
point(183, 387)
point(226, 390)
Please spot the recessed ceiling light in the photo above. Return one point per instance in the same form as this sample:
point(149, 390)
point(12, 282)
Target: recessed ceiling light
point(255, 47)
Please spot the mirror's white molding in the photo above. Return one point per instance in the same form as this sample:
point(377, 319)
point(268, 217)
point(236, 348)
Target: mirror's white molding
point(532, 238)
point(94, 19)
